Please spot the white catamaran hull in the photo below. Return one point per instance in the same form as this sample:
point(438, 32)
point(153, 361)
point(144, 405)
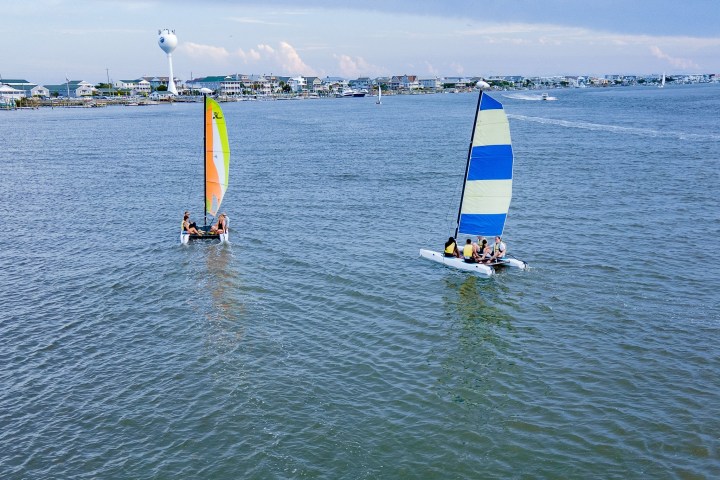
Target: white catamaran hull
point(186, 237)
point(478, 268)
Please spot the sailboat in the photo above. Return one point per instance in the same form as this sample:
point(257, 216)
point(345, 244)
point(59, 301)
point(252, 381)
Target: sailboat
point(662, 82)
point(379, 95)
point(487, 186)
point(217, 170)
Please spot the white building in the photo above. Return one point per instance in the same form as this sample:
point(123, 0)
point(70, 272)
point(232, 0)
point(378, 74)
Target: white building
point(430, 83)
point(298, 84)
point(135, 87)
point(9, 93)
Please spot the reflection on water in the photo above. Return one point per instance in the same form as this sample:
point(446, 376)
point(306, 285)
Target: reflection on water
point(220, 283)
point(475, 301)
point(480, 352)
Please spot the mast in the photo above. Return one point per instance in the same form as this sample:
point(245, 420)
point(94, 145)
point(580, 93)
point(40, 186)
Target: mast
point(467, 165)
point(204, 157)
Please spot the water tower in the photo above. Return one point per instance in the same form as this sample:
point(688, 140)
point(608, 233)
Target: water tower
point(168, 42)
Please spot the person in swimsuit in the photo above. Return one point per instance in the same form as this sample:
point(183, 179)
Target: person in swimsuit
point(189, 227)
point(220, 226)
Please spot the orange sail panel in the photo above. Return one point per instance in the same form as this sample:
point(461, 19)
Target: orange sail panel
point(217, 156)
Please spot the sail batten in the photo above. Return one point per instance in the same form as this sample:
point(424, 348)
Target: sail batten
point(217, 157)
point(488, 182)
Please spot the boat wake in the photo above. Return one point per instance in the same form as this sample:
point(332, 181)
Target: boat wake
point(645, 132)
point(527, 96)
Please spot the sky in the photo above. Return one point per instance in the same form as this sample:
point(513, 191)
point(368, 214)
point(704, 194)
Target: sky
point(44, 41)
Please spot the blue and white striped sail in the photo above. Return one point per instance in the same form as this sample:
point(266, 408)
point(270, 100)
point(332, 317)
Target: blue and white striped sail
point(488, 184)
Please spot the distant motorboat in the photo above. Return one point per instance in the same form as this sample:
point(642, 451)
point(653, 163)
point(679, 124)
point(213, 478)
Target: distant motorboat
point(349, 92)
point(544, 96)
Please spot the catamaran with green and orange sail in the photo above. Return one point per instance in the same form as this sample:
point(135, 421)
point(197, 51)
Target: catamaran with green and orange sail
point(487, 187)
point(217, 172)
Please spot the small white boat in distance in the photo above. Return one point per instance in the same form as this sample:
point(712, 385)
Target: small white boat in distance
point(217, 171)
point(544, 96)
point(487, 188)
point(379, 95)
point(662, 82)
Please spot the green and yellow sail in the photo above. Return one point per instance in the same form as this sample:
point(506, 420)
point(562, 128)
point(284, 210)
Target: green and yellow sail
point(217, 157)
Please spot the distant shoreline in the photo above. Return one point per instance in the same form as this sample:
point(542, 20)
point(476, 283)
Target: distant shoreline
point(99, 102)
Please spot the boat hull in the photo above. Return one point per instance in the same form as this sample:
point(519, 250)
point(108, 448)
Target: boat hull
point(478, 268)
point(459, 263)
point(185, 238)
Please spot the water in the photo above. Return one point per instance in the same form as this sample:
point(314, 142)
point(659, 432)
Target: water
point(318, 344)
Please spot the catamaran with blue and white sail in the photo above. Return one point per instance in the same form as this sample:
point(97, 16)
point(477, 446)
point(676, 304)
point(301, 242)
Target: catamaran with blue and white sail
point(217, 171)
point(487, 186)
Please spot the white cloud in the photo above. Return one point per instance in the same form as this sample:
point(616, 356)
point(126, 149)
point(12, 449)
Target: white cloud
point(197, 50)
point(355, 67)
point(291, 61)
point(285, 56)
point(266, 49)
point(431, 69)
point(674, 61)
point(346, 65)
point(459, 69)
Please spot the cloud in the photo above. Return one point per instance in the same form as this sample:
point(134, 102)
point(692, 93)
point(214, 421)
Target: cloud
point(431, 69)
point(266, 49)
point(675, 62)
point(286, 57)
point(197, 50)
point(350, 67)
point(291, 61)
point(354, 67)
point(459, 69)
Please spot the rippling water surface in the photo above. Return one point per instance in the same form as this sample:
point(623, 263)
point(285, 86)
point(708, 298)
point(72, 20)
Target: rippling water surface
point(318, 344)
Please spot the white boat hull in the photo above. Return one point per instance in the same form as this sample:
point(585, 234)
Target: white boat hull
point(223, 237)
point(478, 268)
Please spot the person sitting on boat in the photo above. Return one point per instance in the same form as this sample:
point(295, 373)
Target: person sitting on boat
point(469, 253)
point(451, 248)
point(221, 225)
point(487, 250)
point(189, 227)
point(481, 248)
point(498, 250)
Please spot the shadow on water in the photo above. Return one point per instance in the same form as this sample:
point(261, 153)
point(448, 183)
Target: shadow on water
point(478, 351)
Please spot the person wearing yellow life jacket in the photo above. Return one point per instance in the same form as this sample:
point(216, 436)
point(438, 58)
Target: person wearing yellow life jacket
point(469, 252)
point(498, 250)
point(451, 248)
